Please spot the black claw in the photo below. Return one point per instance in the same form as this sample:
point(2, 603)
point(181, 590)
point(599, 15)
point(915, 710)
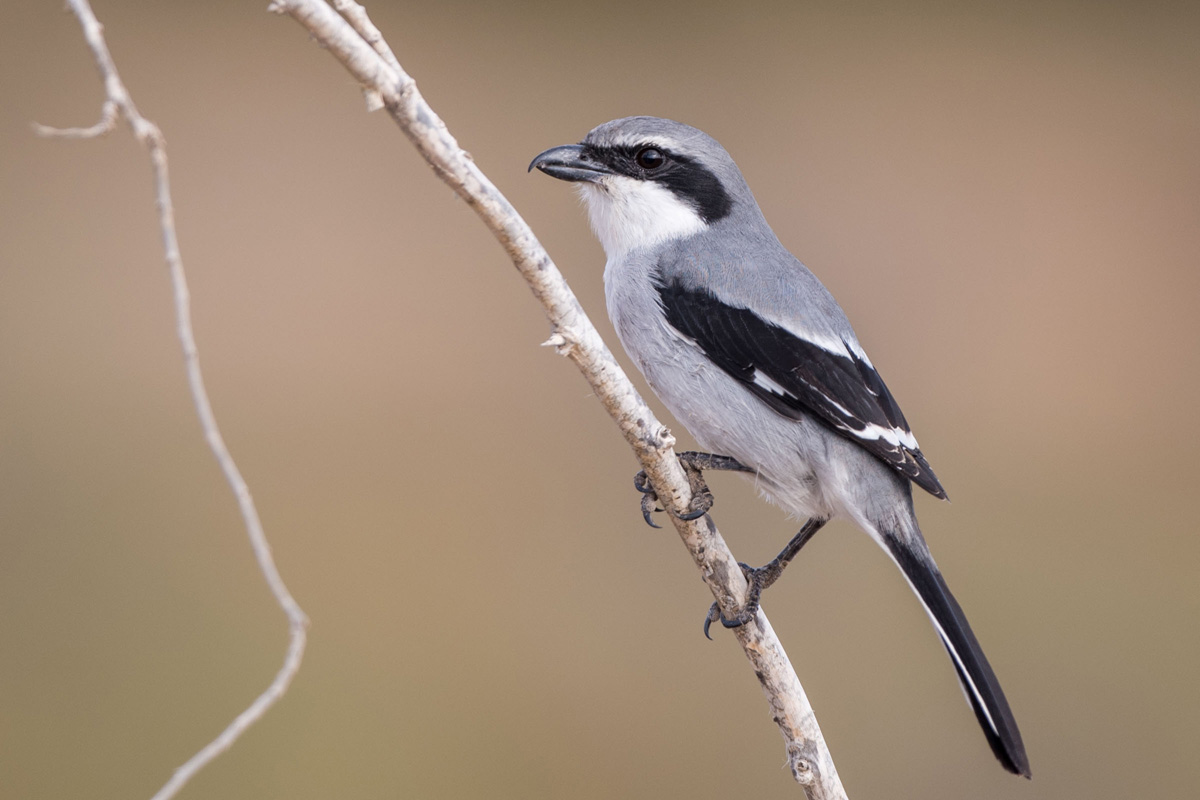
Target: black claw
point(702, 501)
point(648, 508)
point(754, 577)
point(642, 483)
point(714, 613)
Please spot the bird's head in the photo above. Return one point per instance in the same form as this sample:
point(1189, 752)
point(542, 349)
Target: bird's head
point(647, 181)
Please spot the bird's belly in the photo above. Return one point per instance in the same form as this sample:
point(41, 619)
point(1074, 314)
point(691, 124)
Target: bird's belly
point(725, 418)
point(790, 458)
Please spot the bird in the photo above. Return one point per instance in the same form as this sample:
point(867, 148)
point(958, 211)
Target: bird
point(753, 355)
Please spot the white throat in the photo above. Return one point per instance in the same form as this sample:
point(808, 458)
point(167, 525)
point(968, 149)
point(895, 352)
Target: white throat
point(628, 214)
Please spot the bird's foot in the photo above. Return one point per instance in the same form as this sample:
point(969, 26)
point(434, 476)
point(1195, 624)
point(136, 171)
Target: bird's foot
point(761, 578)
point(758, 579)
point(693, 463)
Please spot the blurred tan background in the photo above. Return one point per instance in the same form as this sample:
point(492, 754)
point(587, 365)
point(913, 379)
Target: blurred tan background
point(1005, 200)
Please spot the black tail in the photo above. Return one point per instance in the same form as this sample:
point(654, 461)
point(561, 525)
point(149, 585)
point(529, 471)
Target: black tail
point(974, 673)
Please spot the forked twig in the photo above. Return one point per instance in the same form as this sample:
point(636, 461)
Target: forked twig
point(359, 46)
point(120, 105)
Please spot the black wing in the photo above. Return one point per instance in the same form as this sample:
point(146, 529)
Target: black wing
point(796, 377)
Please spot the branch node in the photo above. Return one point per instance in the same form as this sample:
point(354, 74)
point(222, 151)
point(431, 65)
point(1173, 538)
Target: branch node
point(663, 438)
point(374, 99)
point(803, 764)
point(561, 343)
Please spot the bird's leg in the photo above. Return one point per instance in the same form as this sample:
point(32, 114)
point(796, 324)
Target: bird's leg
point(693, 463)
point(762, 577)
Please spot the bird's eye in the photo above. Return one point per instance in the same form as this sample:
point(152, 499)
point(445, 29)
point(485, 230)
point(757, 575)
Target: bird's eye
point(650, 158)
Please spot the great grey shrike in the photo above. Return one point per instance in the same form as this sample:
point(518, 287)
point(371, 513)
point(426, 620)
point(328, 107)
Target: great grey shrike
point(754, 356)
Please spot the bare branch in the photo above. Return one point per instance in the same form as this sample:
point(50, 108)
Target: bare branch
point(108, 121)
point(356, 43)
point(356, 15)
point(119, 103)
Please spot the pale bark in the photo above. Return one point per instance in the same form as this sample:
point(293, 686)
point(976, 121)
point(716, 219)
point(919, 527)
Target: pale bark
point(356, 43)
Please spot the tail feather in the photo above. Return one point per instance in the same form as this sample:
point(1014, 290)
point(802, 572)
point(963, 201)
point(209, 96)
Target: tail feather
point(979, 683)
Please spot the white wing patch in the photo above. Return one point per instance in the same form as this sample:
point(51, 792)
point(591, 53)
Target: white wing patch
point(897, 437)
point(837, 345)
point(671, 330)
point(771, 386)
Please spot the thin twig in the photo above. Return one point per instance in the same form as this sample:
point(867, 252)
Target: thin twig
point(358, 46)
point(120, 103)
point(109, 113)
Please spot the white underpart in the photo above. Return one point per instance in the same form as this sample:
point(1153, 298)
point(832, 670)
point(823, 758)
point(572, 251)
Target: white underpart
point(628, 214)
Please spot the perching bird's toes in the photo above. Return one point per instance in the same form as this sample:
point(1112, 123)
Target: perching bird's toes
point(758, 578)
point(693, 464)
point(761, 578)
point(697, 460)
point(649, 506)
point(649, 497)
point(699, 505)
point(642, 483)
